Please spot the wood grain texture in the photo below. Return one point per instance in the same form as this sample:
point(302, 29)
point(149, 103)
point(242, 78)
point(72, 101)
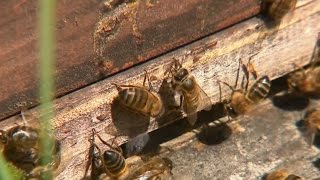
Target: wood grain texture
point(142, 30)
point(264, 141)
point(84, 28)
point(214, 57)
point(75, 65)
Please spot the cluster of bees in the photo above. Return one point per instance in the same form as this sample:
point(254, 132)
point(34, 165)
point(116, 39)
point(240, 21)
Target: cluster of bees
point(20, 145)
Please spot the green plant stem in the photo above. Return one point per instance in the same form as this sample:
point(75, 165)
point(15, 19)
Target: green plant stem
point(46, 69)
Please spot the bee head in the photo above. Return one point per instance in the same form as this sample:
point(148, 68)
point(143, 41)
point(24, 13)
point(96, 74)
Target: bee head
point(110, 156)
point(230, 111)
point(25, 138)
point(96, 160)
point(167, 162)
point(181, 75)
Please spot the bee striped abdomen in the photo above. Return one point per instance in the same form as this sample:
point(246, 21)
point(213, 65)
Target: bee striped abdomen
point(135, 98)
point(259, 90)
point(115, 163)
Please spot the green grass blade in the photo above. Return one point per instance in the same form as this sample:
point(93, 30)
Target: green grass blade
point(46, 69)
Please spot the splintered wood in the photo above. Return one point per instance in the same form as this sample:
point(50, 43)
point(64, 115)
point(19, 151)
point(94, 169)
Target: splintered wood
point(272, 52)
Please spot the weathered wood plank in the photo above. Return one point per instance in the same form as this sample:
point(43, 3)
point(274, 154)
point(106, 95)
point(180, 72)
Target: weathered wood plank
point(75, 66)
point(266, 140)
point(80, 35)
point(145, 29)
point(212, 58)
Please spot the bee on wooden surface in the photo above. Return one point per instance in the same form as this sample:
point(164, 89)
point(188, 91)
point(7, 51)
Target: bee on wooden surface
point(282, 174)
point(312, 122)
point(193, 98)
point(140, 99)
point(307, 81)
point(110, 162)
point(242, 100)
point(21, 147)
point(277, 9)
point(155, 169)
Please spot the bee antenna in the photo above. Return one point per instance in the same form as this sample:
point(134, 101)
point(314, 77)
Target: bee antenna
point(91, 140)
point(228, 85)
point(23, 117)
point(117, 86)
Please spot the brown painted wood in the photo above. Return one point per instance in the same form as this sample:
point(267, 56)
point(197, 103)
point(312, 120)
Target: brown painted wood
point(214, 57)
point(159, 26)
point(18, 35)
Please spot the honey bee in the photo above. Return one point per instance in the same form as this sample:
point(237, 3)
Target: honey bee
point(21, 147)
point(113, 164)
point(307, 81)
point(140, 99)
point(242, 100)
point(110, 161)
point(155, 169)
point(282, 174)
point(277, 9)
point(312, 121)
point(193, 98)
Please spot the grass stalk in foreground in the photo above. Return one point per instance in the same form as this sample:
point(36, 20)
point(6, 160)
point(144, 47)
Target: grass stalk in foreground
point(46, 27)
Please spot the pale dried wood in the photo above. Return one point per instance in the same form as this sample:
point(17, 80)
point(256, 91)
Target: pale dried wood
point(259, 143)
point(214, 57)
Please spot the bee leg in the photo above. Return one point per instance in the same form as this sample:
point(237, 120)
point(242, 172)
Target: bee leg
point(177, 64)
point(102, 159)
point(90, 155)
point(227, 112)
point(238, 72)
point(245, 77)
point(181, 101)
point(116, 147)
point(313, 135)
point(300, 68)
point(146, 77)
point(251, 68)
point(220, 92)
point(315, 58)
point(228, 85)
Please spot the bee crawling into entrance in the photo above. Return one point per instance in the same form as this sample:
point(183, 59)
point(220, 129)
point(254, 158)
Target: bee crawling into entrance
point(193, 98)
point(20, 146)
point(307, 81)
point(282, 174)
point(111, 164)
point(242, 100)
point(140, 99)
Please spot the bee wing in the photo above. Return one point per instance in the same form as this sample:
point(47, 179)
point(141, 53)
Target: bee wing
point(137, 144)
point(192, 118)
point(204, 103)
point(204, 100)
point(149, 170)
